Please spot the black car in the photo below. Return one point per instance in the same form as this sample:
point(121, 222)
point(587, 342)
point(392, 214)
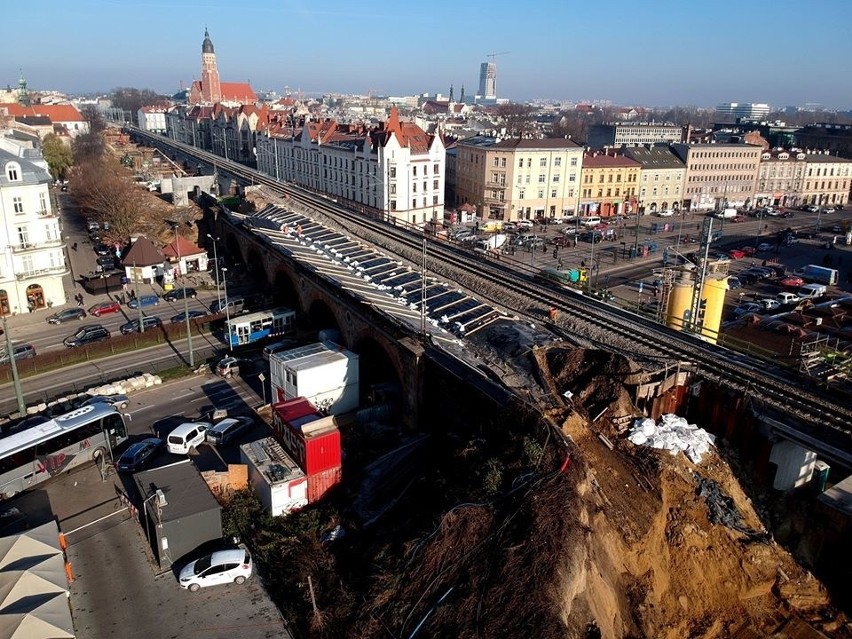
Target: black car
point(66, 316)
point(179, 294)
point(103, 249)
point(148, 323)
point(88, 334)
point(139, 455)
point(107, 262)
point(180, 318)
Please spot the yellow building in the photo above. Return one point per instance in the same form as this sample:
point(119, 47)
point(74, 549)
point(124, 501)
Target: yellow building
point(516, 179)
point(826, 180)
point(610, 183)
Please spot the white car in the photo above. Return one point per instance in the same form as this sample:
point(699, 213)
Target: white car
point(525, 224)
point(665, 213)
point(220, 567)
point(186, 436)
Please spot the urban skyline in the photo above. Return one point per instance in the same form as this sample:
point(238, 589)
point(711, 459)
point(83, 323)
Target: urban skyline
point(682, 56)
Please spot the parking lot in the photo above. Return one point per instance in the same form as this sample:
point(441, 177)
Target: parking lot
point(119, 591)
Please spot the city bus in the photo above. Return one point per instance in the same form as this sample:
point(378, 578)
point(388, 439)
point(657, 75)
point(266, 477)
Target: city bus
point(256, 327)
point(32, 455)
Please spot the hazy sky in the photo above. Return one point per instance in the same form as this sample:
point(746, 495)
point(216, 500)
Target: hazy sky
point(650, 52)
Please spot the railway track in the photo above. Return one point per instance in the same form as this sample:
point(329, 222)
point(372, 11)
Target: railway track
point(596, 321)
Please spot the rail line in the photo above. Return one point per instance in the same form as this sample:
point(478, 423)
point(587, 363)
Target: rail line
point(730, 368)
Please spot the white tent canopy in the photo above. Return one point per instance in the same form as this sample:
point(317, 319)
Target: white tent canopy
point(33, 586)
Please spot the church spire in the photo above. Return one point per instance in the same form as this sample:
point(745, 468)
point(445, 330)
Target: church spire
point(23, 93)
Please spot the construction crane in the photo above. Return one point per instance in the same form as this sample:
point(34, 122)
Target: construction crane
point(494, 55)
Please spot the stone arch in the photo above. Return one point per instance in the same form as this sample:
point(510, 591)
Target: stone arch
point(284, 290)
point(321, 315)
point(233, 254)
point(377, 368)
point(256, 266)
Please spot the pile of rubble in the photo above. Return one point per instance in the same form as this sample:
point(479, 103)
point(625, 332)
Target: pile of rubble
point(673, 434)
point(120, 387)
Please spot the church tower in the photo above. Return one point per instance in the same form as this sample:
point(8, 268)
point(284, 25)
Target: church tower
point(211, 91)
point(23, 94)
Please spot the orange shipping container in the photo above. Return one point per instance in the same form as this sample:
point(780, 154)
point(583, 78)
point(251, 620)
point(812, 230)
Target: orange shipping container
point(320, 483)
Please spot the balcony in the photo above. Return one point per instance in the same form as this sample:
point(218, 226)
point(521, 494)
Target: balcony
point(47, 213)
point(53, 271)
point(28, 247)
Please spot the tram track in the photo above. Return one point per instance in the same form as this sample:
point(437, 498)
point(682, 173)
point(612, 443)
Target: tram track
point(597, 321)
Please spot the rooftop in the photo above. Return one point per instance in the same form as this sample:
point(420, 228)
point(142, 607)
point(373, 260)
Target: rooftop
point(185, 491)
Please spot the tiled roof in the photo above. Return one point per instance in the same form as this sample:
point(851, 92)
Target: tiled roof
point(142, 253)
point(56, 112)
point(238, 92)
point(187, 248)
point(657, 157)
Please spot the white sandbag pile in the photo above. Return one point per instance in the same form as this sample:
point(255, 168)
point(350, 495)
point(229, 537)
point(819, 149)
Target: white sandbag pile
point(673, 434)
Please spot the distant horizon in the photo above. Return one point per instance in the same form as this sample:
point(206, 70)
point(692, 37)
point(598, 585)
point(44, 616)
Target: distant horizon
point(671, 55)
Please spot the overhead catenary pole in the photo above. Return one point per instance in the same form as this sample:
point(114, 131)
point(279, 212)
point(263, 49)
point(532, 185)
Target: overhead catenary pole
point(216, 263)
point(185, 302)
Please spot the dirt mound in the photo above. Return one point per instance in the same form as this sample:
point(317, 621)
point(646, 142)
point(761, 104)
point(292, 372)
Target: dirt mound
point(653, 564)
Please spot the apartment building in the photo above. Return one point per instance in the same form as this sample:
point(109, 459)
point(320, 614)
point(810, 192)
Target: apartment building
point(618, 134)
point(32, 258)
point(518, 179)
point(662, 179)
point(826, 180)
point(780, 178)
point(719, 175)
point(609, 184)
point(395, 171)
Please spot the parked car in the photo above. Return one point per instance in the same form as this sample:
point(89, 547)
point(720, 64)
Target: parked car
point(770, 304)
point(104, 308)
point(20, 351)
point(721, 257)
point(229, 366)
point(813, 209)
point(148, 323)
point(736, 254)
point(187, 435)
point(220, 567)
point(748, 250)
point(665, 213)
point(525, 224)
point(747, 309)
point(119, 401)
point(786, 298)
point(236, 304)
point(144, 301)
point(812, 291)
point(179, 294)
point(106, 262)
point(66, 315)
point(180, 318)
point(792, 281)
point(224, 431)
point(103, 249)
point(138, 455)
point(88, 334)
point(763, 247)
point(734, 283)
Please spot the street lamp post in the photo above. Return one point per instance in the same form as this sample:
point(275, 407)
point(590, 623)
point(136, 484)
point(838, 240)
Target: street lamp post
point(22, 407)
point(227, 311)
point(216, 261)
point(136, 294)
point(185, 303)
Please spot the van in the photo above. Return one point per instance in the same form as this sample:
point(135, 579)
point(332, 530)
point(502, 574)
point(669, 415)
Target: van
point(277, 347)
point(186, 436)
point(234, 305)
point(220, 567)
point(21, 351)
point(812, 291)
point(727, 214)
point(592, 220)
point(227, 429)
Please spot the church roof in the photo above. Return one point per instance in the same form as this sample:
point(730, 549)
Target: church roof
point(207, 45)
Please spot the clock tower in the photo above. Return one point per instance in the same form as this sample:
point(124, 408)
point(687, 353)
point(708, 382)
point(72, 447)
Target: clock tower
point(211, 90)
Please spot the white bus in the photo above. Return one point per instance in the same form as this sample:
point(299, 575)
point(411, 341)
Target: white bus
point(35, 454)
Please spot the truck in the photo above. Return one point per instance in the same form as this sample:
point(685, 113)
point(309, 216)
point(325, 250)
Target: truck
point(818, 274)
point(727, 214)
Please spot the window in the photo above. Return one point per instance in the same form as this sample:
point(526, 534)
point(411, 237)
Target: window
point(521, 194)
point(425, 185)
point(617, 192)
point(12, 172)
point(555, 177)
point(414, 202)
point(414, 187)
point(553, 193)
point(496, 161)
point(540, 193)
point(434, 200)
point(393, 205)
point(542, 178)
point(18, 204)
point(542, 162)
point(557, 162)
point(23, 236)
point(520, 163)
point(529, 163)
point(42, 200)
point(435, 184)
point(609, 192)
point(435, 169)
point(600, 192)
point(573, 161)
point(572, 177)
point(415, 171)
point(393, 171)
point(502, 163)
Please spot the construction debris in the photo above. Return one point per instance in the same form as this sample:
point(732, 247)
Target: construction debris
point(674, 434)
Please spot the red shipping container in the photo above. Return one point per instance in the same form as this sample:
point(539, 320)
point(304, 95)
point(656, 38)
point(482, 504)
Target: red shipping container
point(312, 440)
point(320, 483)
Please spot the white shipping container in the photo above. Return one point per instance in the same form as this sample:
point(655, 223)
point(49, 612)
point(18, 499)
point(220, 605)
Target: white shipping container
point(279, 482)
point(325, 375)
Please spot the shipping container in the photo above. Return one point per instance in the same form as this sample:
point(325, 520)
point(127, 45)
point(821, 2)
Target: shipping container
point(323, 373)
point(320, 483)
point(312, 439)
point(279, 482)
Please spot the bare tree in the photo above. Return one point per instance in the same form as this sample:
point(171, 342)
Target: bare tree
point(104, 190)
point(518, 119)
